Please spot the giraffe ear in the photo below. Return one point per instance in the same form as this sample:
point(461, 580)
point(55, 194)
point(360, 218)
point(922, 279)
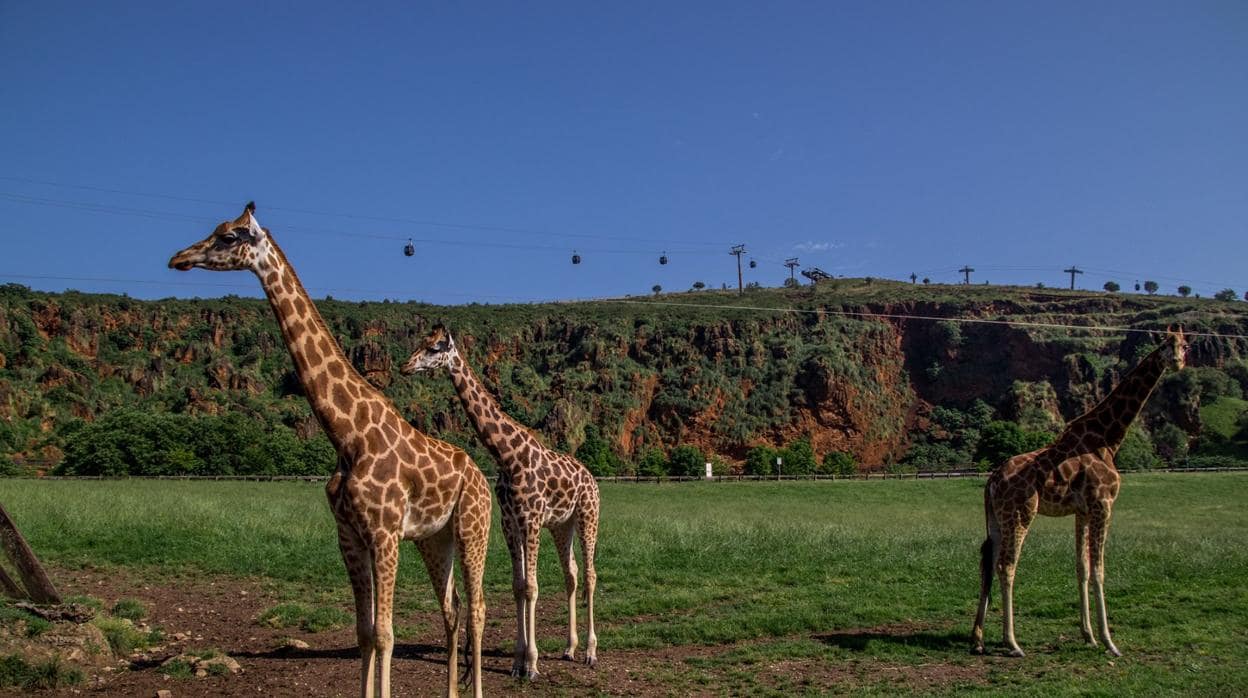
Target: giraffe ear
point(250, 207)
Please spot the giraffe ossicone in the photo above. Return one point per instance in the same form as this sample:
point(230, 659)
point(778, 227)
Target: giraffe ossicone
point(392, 483)
point(1074, 475)
point(537, 488)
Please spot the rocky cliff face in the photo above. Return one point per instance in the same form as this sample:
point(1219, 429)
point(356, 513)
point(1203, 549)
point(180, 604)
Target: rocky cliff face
point(856, 371)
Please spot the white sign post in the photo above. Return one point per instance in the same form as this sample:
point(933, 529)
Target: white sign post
point(709, 475)
point(779, 462)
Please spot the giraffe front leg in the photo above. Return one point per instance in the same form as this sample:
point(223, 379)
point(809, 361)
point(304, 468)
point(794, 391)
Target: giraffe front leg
point(533, 538)
point(1098, 531)
point(385, 568)
point(359, 562)
point(564, 535)
point(1083, 569)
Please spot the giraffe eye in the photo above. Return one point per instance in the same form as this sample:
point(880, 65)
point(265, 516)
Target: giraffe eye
point(229, 238)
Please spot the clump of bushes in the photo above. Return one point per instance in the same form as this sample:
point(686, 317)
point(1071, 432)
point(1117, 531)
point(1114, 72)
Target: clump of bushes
point(134, 442)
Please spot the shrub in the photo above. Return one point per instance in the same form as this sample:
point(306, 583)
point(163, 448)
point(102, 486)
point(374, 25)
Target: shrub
point(597, 455)
point(653, 463)
point(760, 460)
point(687, 461)
point(839, 463)
point(1170, 443)
point(1226, 294)
point(1136, 451)
point(1001, 440)
point(799, 458)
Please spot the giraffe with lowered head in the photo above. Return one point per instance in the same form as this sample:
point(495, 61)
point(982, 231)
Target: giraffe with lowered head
point(537, 488)
point(1075, 475)
point(392, 483)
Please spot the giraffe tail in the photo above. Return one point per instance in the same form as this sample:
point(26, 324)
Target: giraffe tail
point(987, 555)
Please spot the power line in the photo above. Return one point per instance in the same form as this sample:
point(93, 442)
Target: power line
point(367, 217)
point(168, 215)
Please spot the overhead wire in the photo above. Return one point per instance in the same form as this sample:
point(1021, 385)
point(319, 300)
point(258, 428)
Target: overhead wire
point(370, 217)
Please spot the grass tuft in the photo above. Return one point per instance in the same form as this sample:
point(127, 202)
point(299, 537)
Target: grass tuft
point(130, 609)
point(313, 619)
point(16, 672)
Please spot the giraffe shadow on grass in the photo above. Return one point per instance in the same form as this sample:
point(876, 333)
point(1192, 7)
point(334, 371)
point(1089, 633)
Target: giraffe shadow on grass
point(432, 654)
point(860, 640)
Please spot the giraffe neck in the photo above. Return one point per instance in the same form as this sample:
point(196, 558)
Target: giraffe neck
point(1105, 425)
point(494, 427)
point(330, 382)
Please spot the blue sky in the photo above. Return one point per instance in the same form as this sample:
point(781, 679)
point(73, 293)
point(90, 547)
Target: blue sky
point(864, 138)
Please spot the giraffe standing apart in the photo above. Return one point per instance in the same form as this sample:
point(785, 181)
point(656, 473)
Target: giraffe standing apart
point(537, 488)
point(1075, 475)
point(392, 481)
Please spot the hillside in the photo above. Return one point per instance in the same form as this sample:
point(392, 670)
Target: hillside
point(638, 373)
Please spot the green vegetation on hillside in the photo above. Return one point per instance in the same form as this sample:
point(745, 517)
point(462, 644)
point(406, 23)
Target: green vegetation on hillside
point(614, 380)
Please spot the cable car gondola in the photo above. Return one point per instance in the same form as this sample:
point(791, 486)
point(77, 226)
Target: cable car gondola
point(576, 258)
point(409, 249)
point(663, 258)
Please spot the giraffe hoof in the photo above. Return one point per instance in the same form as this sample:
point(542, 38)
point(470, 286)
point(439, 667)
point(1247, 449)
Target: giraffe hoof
point(569, 656)
point(1113, 651)
point(977, 649)
point(1017, 652)
point(591, 661)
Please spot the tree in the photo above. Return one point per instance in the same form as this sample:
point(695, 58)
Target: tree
point(653, 463)
point(799, 458)
point(926, 281)
point(1001, 440)
point(838, 463)
point(759, 460)
point(597, 455)
point(698, 285)
point(1226, 294)
point(791, 283)
point(1112, 286)
point(686, 460)
point(657, 289)
point(1136, 451)
point(1185, 291)
point(1150, 287)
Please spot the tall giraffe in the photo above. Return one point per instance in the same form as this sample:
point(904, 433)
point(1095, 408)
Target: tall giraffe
point(537, 488)
point(392, 482)
point(1074, 475)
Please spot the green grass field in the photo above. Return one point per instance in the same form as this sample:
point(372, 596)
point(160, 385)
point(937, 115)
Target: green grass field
point(835, 572)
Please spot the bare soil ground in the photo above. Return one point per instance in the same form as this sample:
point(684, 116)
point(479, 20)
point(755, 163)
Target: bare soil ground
point(221, 613)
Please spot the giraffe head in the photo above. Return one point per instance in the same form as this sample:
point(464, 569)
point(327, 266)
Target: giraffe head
point(435, 352)
point(1175, 348)
point(237, 244)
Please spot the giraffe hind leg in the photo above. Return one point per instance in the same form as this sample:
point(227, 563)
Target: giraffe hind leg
point(1083, 571)
point(563, 535)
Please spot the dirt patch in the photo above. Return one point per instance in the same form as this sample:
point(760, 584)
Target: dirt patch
point(221, 614)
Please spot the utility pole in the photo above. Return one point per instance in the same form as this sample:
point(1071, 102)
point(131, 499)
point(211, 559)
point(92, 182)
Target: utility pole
point(967, 272)
point(737, 251)
point(1072, 271)
point(792, 264)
